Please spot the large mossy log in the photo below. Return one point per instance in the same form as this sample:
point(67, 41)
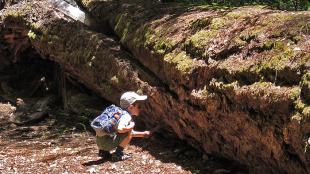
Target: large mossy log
point(212, 77)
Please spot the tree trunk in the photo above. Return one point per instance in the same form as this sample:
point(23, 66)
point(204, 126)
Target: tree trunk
point(222, 110)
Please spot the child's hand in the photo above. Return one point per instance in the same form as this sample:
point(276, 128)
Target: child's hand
point(146, 134)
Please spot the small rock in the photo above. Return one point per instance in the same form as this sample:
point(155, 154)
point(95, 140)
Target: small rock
point(157, 162)
point(92, 170)
point(53, 165)
point(144, 157)
point(113, 166)
point(55, 150)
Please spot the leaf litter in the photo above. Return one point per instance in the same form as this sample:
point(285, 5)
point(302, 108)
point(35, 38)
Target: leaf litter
point(50, 147)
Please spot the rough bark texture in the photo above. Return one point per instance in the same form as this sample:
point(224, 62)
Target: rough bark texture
point(232, 82)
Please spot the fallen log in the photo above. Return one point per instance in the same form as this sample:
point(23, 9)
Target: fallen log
point(247, 122)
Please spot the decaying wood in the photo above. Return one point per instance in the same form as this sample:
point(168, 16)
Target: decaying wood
point(249, 123)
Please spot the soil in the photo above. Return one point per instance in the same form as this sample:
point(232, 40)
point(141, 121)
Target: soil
point(58, 145)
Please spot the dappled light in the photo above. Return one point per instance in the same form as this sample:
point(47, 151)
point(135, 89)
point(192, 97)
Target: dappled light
point(217, 86)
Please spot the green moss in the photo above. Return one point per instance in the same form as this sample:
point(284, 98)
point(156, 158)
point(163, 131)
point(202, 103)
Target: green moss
point(34, 26)
point(149, 36)
point(80, 57)
point(266, 91)
point(153, 39)
point(279, 57)
point(297, 38)
point(218, 23)
point(163, 46)
point(306, 112)
point(231, 86)
point(195, 45)
point(276, 63)
point(125, 32)
point(200, 23)
point(268, 24)
point(86, 2)
point(13, 13)
point(305, 78)
point(277, 17)
point(250, 33)
point(228, 89)
point(122, 25)
point(239, 42)
point(294, 93)
point(296, 26)
point(213, 6)
point(267, 45)
point(143, 34)
point(182, 62)
point(305, 87)
point(280, 45)
point(299, 106)
point(238, 14)
point(262, 84)
point(31, 35)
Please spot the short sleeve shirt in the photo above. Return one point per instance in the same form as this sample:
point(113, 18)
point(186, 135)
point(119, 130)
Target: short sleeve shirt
point(124, 121)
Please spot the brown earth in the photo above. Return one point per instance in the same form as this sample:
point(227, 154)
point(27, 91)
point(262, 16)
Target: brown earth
point(232, 82)
point(60, 145)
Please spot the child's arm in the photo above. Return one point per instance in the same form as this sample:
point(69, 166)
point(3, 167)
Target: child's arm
point(140, 134)
point(125, 128)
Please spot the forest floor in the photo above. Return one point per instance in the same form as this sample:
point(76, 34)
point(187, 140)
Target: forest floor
point(54, 146)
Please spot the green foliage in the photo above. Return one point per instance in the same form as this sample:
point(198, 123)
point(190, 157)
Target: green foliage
point(279, 4)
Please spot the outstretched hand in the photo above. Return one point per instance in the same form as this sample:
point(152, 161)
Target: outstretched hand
point(147, 134)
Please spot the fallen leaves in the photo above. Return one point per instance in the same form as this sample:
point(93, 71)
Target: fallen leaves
point(43, 148)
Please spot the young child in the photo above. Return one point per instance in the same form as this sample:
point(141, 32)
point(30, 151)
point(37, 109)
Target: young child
point(124, 125)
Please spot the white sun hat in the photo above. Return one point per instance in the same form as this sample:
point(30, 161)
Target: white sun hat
point(129, 98)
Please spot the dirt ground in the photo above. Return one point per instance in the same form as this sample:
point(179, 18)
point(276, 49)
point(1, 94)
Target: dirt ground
point(55, 146)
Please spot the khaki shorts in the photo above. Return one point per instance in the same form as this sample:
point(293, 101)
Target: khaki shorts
point(108, 143)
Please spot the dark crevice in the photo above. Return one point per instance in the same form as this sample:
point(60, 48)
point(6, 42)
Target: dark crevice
point(293, 156)
point(103, 26)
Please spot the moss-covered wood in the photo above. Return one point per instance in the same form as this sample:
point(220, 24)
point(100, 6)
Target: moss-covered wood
point(231, 81)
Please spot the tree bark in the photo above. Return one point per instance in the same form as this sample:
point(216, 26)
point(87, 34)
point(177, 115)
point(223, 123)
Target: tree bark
point(250, 124)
